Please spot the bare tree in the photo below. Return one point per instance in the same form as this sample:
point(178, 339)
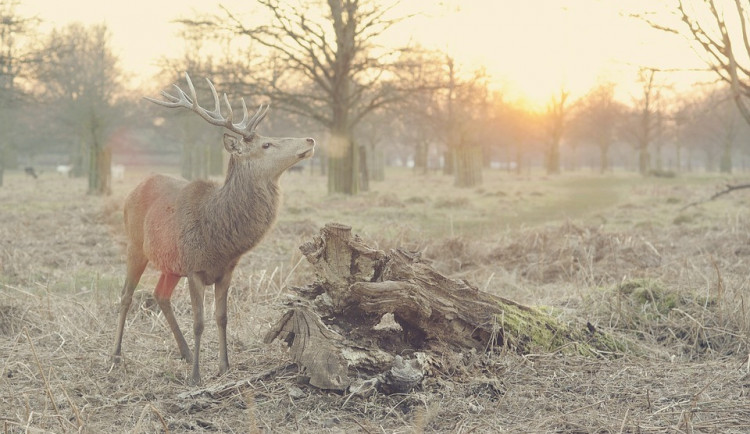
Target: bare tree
point(15, 58)
point(326, 67)
point(81, 80)
point(718, 29)
point(555, 119)
point(643, 126)
point(713, 127)
point(466, 110)
point(596, 120)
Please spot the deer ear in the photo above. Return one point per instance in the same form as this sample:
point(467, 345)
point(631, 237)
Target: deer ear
point(230, 143)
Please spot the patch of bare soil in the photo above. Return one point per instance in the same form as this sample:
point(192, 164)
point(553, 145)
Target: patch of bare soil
point(679, 290)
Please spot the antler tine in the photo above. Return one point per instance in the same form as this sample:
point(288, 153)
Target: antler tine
point(259, 115)
point(216, 112)
point(249, 123)
point(173, 101)
point(243, 125)
point(231, 113)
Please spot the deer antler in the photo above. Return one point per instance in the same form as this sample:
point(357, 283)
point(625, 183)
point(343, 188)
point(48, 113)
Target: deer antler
point(246, 128)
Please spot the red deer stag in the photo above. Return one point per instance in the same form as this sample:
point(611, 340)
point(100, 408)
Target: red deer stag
point(200, 229)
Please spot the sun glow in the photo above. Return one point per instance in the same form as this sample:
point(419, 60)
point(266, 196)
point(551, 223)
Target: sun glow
point(531, 49)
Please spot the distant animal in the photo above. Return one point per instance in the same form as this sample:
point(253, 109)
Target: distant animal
point(30, 171)
point(200, 229)
point(64, 169)
point(118, 172)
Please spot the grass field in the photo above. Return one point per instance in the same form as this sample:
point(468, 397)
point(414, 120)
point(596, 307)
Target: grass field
point(617, 251)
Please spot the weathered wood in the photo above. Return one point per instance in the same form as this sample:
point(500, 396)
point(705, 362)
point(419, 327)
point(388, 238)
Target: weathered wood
point(312, 347)
point(357, 285)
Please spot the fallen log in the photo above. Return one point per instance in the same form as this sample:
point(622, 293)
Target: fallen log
point(336, 327)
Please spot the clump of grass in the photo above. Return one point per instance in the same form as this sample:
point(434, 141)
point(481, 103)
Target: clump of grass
point(660, 173)
point(687, 324)
point(453, 202)
point(389, 200)
point(417, 199)
point(683, 219)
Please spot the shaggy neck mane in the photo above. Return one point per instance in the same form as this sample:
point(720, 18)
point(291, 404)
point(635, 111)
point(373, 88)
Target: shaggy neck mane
point(245, 207)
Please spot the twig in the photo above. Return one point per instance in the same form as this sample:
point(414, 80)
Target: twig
point(161, 419)
point(624, 420)
point(222, 389)
point(730, 188)
point(44, 378)
point(75, 409)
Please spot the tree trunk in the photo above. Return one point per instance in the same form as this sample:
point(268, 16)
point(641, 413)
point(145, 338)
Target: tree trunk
point(377, 164)
point(2, 162)
point(449, 161)
point(644, 160)
point(366, 308)
point(100, 170)
point(552, 158)
point(725, 163)
point(364, 173)
point(603, 157)
point(420, 157)
point(468, 166)
point(343, 165)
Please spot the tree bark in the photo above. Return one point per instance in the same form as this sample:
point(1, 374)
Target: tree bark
point(552, 158)
point(338, 327)
point(468, 166)
point(343, 165)
point(725, 162)
point(100, 170)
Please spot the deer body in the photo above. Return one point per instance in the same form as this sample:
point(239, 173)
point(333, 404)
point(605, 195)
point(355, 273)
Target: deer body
point(200, 229)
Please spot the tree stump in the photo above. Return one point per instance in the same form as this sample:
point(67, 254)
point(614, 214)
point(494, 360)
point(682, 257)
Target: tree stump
point(384, 317)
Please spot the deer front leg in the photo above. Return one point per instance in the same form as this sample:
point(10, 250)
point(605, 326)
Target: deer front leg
point(163, 294)
point(197, 290)
point(221, 291)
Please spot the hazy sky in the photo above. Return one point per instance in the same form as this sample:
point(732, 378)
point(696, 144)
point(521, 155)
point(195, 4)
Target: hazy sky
point(531, 47)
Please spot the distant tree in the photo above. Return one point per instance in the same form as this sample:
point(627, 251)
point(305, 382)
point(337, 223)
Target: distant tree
point(596, 119)
point(16, 55)
point(715, 127)
point(420, 121)
point(643, 127)
point(466, 111)
point(81, 80)
point(719, 31)
point(555, 121)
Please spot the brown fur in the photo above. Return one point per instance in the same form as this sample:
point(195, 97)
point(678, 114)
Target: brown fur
point(200, 230)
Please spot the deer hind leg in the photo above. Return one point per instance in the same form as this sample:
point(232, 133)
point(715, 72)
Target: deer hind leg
point(136, 264)
point(221, 290)
point(197, 291)
point(163, 294)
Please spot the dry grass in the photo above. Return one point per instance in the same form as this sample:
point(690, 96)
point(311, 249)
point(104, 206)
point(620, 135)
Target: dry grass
point(614, 251)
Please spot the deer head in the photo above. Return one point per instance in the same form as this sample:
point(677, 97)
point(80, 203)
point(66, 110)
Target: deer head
point(269, 156)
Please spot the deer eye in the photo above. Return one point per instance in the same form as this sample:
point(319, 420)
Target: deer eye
point(266, 145)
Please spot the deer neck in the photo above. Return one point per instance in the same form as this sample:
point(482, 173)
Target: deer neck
point(247, 204)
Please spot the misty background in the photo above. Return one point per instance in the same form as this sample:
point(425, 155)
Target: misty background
point(338, 71)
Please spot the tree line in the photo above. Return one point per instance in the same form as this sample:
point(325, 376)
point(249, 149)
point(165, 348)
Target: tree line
point(327, 74)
